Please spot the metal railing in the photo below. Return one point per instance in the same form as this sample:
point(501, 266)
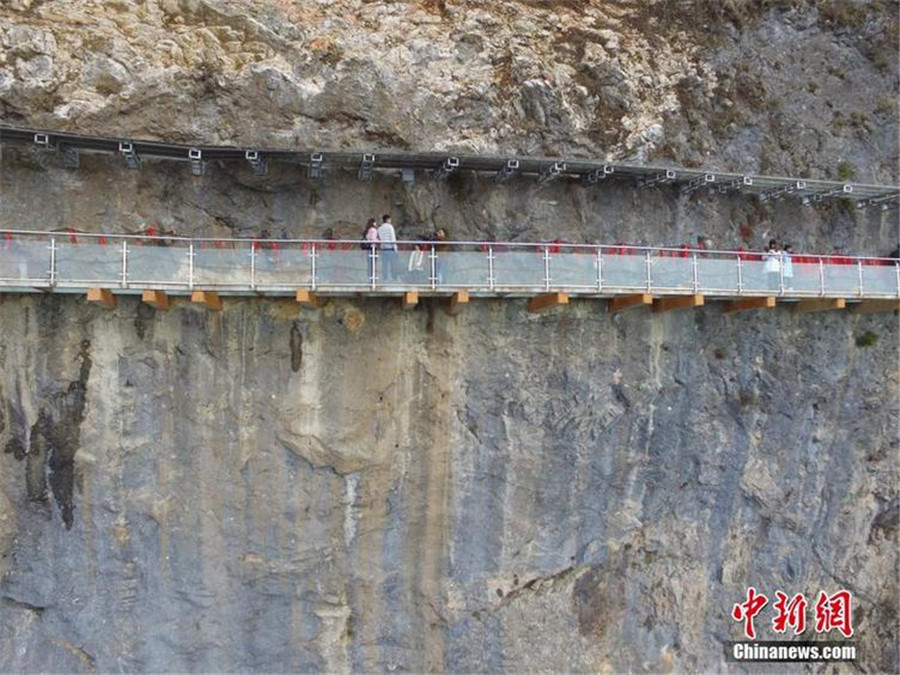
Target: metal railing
point(72, 262)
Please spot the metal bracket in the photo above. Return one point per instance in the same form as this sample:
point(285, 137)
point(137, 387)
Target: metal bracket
point(597, 175)
point(884, 201)
point(198, 166)
point(132, 159)
point(779, 193)
point(697, 183)
point(365, 167)
point(551, 172)
point(842, 191)
point(258, 164)
point(511, 169)
point(70, 157)
point(658, 179)
point(736, 184)
point(447, 167)
point(316, 166)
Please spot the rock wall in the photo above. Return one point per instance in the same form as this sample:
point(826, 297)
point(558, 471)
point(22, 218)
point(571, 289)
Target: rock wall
point(359, 488)
point(787, 86)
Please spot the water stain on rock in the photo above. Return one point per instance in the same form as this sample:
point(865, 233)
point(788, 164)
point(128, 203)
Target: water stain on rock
point(54, 440)
point(296, 348)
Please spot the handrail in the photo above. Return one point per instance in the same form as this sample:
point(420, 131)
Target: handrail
point(553, 246)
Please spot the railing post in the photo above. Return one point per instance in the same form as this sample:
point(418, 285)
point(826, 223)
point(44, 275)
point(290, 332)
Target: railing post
point(374, 265)
point(491, 267)
point(696, 274)
point(647, 264)
point(821, 277)
point(191, 265)
point(433, 256)
point(53, 262)
point(860, 274)
point(897, 270)
point(312, 255)
point(599, 269)
point(124, 263)
point(740, 275)
point(253, 266)
point(780, 274)
point(546, 268)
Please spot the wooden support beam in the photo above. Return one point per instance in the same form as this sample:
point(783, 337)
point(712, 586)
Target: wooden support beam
point(544, 302)
point(875, 306)
point(410, 299)
point(628, 301)
point(102, 296)
point(749, 303)
point(677, 302)
point(823, 305)
point(156, 299)
point(460, 298)
point(311, 299)
point(208, 298)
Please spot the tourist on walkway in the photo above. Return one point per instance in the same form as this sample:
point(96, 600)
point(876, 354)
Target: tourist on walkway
point(442, 248)
point(772, 265)
point(787, 266)
point(369, 244)
point(415, 266)
point(388, 239)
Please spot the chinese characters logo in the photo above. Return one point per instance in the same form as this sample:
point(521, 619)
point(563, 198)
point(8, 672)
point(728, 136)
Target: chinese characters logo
point(832, 612)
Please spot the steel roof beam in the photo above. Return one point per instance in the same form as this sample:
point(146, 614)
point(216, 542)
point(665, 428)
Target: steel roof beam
point(645, 176)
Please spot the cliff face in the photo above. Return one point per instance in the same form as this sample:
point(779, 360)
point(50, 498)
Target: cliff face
point(362, 488)
point(791, 89)
point(365, 488)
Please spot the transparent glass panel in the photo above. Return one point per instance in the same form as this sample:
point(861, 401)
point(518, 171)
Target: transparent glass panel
point(215, 266)
point(88, 262)
point(756, 278)
point(519, 268)
point(158, 264)
point(880, 278)
point(462, 268)
point(717, 274)
point(573, 270)
point(625, 271)
point(24, 259)
point(343, 267)
point(282, 266)
point(801, 277)
point(671, 272)
point(391, 267)
point(841, 279)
